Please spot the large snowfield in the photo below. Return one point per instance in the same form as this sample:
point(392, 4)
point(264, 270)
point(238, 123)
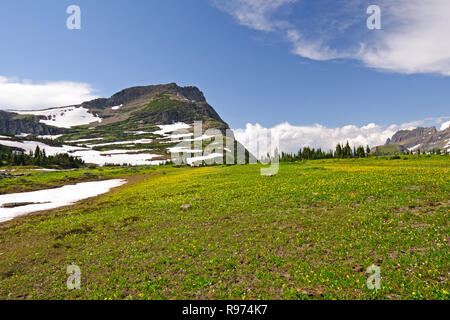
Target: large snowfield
point(91, 156)
point(117, 157)
point(53, 198)
point(66, 117)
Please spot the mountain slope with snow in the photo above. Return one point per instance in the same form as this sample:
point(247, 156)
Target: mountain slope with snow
point(423, 139)
point(104, 131)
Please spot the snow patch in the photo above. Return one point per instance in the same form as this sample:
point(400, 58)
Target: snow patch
point(414, 148)
point(28, 146)
point(50, 137)
point(132, 143)
point(137, 133)
point(203, 137)
point(448, 145)
point(142, 141)
point(53, 198)
point(445, 125)
point(66, 117)
point(180, 135)
point(192, 161)
point(183, 149)
point(89, 156)
point(104, 157)
point(164, 129)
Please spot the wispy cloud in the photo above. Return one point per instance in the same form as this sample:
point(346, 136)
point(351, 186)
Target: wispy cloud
point(291, 138)
point(314, 50)
point(255, 14)
point(25, 95)
point(414, 38)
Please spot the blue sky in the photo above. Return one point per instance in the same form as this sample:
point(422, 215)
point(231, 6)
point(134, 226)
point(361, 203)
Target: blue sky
point(264, 62)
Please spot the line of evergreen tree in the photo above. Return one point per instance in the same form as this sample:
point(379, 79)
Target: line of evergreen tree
point(341, 152)
point(14, 157)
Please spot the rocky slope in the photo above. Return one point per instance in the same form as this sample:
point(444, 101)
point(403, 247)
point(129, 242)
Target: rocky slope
point(15, 124)
point(423, 139)
point(156, 104)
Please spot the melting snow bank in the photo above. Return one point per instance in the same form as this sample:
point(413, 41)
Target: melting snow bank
point(92, 156)
point(52, 198)
point(65, 117)
point(171, 128)
point(193, 161)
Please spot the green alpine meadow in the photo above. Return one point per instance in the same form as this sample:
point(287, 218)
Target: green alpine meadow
point(224, 159)
point(311, 231)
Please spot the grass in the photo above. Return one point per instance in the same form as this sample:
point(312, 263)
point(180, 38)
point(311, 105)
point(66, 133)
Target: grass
point(309, 232)
point(389, 149)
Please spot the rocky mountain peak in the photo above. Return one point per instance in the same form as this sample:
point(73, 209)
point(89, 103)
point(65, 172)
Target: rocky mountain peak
point(405, 135)
point(424, 139)
point(150, 105)
point(129, 95)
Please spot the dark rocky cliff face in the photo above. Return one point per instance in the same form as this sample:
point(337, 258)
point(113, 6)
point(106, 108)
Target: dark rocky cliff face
point(159, 104)
point(425, 139)
point(11, 123)
point(406, 135)
point(164, 110)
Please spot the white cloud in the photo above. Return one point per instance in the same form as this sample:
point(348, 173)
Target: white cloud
point(445, 125)
point(291, 138)
point(314, 50)
point(413, 39)
point(255, 14)
point(27, 95)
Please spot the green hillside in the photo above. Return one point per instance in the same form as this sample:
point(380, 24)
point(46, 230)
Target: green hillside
point(309, 232)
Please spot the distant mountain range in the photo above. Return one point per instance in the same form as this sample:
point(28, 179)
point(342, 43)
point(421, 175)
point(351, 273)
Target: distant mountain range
point(136, 125)
point(419, 139)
